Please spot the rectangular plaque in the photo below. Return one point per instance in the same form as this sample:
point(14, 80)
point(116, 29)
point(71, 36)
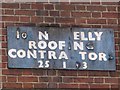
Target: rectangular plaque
point(61, 48)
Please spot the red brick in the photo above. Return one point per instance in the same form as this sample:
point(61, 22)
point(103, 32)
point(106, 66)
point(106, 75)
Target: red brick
point(27, 72)
point(68, 80)
point(98, 86)
point(10, 18)
point(51, 72)
point(4, 65)
point(115, 86)
point(81, 14)
point(80, 7)
point(49, 19)
point(112, 8)
point(96, 8)
point(36, 19)
point(68, 85)
point(112, 21)
point(40, 85)
point(10, 5)
point(4, 58)
point(83, 80)
point(96, 21)
point(67, 73)
point(111, 80)
point(24, 19)
point(65, 20)
point(3, 78)
point(96, 14)
point(27, 79)
point(37, 5)
point(25, 6)
point(4, 45)
point(109, 3)
point(64, 7)
point(65, 13)
point(80, 21)
point(84, 86)
point(27, 85)
point(9, 12)
point(82, 73)
point(25, 12)
point(12, 72)
point(12, 85)
point(49, 6)
point(109, 15)
point(99, 80)
point(12, 79)
point(54, 13)
point(95, 3)
point(39, 72)
point(57, 79)
point(98, 73)
point(45, 79)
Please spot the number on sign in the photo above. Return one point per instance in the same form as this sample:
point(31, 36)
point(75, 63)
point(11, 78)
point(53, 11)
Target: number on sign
point(42, 65)
point(84, 65)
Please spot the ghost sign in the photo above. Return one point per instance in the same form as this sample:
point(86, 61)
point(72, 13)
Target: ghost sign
point(61, 48)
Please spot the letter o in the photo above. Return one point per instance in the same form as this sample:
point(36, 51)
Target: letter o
point(52, 45)
point(92, 56)
point(42, 44)
point(21, 53)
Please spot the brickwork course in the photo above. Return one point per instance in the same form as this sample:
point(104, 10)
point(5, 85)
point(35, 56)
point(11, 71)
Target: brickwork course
point(59, 14)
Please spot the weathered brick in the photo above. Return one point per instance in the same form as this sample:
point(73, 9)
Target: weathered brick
point(67, 73)
point(99, 80)
point(81, 14)
point(65, 13)
point(68, 85)
point(80, 7)
point(52, 85)
point(84, 86)
point(65, 20)
point(111, 80)
point(57, 79)
point(10, 18)
point(54, 13)
point(37, 5)
point(24, 19)
point(36, 19)
point(49, 6)
point(12, 79)
point(96, 14)
point(64, 7)
point(41, 13)
point(109, 15)
point(98, 86)
point(10, 5)
point(25, 12)
point(49, 19)
point(25, 6)
point(27, 85)
point(27, 79)
point(9, 12)
point(45, 79)
point(96, 8)
point(83, 80)
point(40, 85)
point(96, 21)
point(12, 85)
point(68, 79)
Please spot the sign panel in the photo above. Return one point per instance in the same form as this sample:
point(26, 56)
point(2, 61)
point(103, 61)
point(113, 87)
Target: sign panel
point(61, 48)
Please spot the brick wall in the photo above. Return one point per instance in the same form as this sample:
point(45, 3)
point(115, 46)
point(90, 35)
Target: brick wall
point(64, 14)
